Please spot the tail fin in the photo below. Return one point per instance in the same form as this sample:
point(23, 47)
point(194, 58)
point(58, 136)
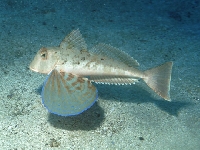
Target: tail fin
point(158, 79)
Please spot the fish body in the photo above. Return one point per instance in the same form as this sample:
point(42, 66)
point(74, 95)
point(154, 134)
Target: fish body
point(72, 65)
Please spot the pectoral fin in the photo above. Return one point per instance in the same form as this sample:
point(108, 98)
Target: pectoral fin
point(67, 94)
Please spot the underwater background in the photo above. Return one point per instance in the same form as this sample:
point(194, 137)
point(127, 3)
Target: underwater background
point(124, 117)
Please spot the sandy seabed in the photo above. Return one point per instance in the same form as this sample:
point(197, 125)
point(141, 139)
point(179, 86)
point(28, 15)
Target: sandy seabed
point(125, 117)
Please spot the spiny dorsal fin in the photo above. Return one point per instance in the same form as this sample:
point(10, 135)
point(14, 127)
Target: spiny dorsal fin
point(74, 41)
point(115, 54)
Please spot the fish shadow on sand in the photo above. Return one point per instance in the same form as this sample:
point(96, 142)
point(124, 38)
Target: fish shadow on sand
point(94, 116)
point(88, 120)
point(136, 94)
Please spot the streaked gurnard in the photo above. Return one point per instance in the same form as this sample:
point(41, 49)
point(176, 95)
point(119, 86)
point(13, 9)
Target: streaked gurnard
point(71, 69)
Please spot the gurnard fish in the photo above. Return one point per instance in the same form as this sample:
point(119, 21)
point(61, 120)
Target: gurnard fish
point(71, 69)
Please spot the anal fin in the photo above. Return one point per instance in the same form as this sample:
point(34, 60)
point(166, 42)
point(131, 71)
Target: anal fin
point(112, 80)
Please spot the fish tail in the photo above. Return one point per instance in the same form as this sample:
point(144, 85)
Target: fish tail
point(158, 79)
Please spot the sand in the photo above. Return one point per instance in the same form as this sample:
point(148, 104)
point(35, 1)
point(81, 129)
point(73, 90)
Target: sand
point(125, 117)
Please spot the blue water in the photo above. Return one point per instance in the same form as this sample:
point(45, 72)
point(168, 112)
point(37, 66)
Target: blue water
point(125, 117)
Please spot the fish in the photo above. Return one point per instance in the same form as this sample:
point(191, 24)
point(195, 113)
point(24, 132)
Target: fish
point(72, 69)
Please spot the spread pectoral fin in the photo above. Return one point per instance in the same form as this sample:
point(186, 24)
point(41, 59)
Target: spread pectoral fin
point(67, 94)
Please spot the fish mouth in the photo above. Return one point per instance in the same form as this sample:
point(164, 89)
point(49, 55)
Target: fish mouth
point(39, 71)
point(33, 69)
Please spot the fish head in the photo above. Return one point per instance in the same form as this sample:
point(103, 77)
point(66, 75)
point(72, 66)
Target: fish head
point(45, 60)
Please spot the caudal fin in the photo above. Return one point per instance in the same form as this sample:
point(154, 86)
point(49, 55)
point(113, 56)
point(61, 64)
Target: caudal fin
point(158, 79)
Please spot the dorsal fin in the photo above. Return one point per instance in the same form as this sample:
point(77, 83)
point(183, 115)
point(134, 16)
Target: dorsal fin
point(74, 41)
point(115, 54)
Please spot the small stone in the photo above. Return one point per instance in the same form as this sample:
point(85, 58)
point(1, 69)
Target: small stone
point(54, 143)
point(141, 138)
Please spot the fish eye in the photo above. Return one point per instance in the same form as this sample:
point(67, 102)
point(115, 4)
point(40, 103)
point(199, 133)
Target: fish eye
point(43, 53)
